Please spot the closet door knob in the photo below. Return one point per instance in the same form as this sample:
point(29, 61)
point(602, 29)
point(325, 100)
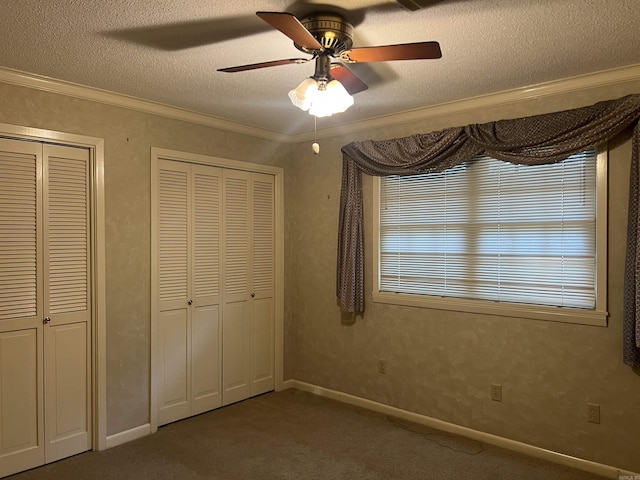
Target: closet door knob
point(46, 320)
point(190, 302)
point(253, 295)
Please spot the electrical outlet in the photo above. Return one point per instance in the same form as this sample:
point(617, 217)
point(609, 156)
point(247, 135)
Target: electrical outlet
point(496, 392)
point(593, 412)
point(382, 366)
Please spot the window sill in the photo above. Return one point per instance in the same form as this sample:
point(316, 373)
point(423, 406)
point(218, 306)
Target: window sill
point(535, 312)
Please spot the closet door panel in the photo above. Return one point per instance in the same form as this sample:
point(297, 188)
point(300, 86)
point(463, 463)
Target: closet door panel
point(262, 284)
point(206, 365)
point(236, 346)
point(174, 285)
point(66, 301)
point(21, 340)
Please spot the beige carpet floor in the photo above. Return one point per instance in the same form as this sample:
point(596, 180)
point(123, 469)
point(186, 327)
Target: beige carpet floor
point(296, 435)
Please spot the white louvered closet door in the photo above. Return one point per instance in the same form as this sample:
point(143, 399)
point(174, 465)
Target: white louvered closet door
point(262, 284)
point(236, 320)
point(174, 284)
point(189, 328)
point(67, 301)
point(248, 318)
point(21, 362)
point(45, 318)
point(214, 328)
point(206, 325)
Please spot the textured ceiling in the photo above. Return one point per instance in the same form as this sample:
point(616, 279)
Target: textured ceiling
point(168, 51)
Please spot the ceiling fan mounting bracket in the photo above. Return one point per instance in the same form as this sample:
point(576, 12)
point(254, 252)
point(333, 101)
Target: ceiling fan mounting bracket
point(332, 31)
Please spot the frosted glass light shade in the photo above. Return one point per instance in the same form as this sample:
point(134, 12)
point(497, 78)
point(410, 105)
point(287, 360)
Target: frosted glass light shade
point(334, 98)
point(303, 94)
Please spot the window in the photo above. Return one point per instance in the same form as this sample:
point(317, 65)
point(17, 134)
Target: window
point(493, 237)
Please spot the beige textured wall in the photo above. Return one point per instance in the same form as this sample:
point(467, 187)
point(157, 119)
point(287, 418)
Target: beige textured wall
point(128, 136)
point(441, 364)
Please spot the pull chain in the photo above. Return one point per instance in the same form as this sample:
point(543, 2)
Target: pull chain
point(314, 146)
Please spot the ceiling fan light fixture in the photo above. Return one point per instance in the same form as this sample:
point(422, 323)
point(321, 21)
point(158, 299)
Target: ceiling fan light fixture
point(321, 98)
point(325, 36)
point(334, 98)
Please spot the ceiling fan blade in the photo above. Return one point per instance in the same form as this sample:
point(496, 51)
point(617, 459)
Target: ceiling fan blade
point(288, 24)
point(255, 66)
point(405, 51)
point(347, 78)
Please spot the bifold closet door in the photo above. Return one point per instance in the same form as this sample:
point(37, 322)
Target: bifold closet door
point(45, 401)
point(248, 276)
point(174, 288)
point(206, 326)
point(262, 369)
point(214, 333)
point(67, 304)
point(21, 307)
point(189, 328)
point(236, 326)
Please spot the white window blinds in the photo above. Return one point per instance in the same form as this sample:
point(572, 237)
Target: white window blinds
point(491, 230)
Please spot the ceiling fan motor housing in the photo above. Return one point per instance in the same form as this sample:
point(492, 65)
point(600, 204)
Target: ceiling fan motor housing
point(332, 31)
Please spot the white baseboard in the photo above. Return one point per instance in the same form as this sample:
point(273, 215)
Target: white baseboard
point(128, 435)
point(488, 438)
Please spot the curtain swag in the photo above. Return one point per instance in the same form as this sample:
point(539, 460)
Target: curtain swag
point(533, 140)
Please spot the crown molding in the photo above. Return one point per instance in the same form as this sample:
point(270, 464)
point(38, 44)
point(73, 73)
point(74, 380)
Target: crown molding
point(578, 83)
point(589, 81)
point(48, 84)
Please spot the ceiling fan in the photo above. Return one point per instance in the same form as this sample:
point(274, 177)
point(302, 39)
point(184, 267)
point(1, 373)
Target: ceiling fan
point(327, 36)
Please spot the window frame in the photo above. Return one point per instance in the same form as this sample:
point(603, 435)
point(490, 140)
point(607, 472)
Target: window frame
point(596, 317)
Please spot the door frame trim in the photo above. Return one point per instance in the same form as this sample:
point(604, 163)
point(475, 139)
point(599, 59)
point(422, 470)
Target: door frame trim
point(95, 146)
point(278, 173)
